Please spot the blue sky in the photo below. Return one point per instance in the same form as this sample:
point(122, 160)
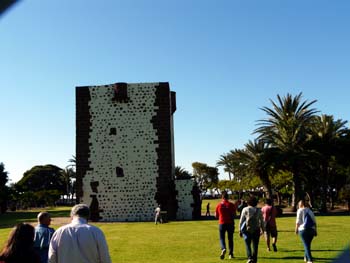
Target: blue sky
point(225, 59)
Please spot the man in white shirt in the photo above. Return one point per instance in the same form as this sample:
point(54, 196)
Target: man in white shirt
point(79, 241)
point(158, 216)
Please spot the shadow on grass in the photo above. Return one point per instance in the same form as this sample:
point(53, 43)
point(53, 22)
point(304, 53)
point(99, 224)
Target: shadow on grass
point(279, 259)
point(287, 231)
point(10, 219)
point(313, 250)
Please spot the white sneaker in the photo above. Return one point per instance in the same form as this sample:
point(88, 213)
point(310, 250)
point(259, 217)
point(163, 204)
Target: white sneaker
point(223, 252)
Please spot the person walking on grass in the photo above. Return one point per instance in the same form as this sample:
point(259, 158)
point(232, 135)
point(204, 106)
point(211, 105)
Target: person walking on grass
point(225, 212)
point(251, 225)
point(158, 215)
point(269, 213)
point(79, 241)
point(306, 228)
point(43, 234)
point(208, 210)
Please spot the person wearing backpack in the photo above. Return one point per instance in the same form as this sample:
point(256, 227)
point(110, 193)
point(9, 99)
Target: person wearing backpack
point(306, 228)
point(251, 227)
point(225, 212)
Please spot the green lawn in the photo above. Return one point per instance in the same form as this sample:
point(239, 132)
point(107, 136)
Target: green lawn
point(197, 241)
point(11, 218)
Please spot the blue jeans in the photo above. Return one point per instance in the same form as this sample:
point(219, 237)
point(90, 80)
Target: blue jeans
point(252, 239)
point(229, 228)
point(306, 237)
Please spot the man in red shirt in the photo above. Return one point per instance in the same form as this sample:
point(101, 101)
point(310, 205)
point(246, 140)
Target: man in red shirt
point(225, 212)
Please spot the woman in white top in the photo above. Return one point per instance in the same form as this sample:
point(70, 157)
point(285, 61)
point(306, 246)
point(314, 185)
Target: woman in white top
point(306, 228)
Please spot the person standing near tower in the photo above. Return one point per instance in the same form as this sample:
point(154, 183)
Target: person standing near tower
point(158, 215)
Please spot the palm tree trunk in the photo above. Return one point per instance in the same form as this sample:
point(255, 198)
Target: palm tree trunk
point(266, 184)
point(268, 191)
point(297, 195)
point(279, 199)
point(324, 187)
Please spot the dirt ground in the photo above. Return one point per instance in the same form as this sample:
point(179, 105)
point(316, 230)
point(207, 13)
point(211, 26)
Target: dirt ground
point(60, 220)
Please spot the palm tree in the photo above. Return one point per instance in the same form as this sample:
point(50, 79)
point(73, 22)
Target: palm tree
point(326, 133)
point(73, 162)
point(226, 162)
point(287, 128)
point(68, 173)
point(256, 157)
point(181, 173)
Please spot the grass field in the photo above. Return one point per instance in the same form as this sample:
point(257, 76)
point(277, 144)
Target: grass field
point(197, 241)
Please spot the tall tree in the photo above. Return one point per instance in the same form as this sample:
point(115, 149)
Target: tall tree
point(227, 163)
point(68, 174)
point(205, 176)
point(287, 128)
point(326, 132)
point(46, 179)
point(3, 188)
point(257, 159)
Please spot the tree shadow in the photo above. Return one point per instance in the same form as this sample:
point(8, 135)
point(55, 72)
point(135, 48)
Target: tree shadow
point(286, 231)
point(313, 250)
point(10, 219)
point(282, 259)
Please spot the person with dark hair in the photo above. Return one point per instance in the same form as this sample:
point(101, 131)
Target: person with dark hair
point(251, 226)
point(19, 246)
point(269, 213)
point(225, 212)
point(79, 241)
point(241, 204)
point(306, 227)
point(43, 234)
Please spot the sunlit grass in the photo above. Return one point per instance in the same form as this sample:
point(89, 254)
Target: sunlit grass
point(197, 241)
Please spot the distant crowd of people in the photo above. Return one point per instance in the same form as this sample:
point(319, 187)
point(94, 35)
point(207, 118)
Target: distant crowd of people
point(255, 222)
point(82, 242)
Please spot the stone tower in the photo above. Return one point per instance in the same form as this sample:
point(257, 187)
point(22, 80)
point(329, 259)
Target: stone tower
point(125, 151)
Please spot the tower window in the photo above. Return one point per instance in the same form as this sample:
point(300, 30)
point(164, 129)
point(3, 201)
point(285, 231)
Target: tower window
point(121, 92)
point(119, 171)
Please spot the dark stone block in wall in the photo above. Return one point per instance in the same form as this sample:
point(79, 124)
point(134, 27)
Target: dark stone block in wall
point(119, 171)
point(94, 209)
point(121, 92)
point(94, 186)
point(83, 123)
